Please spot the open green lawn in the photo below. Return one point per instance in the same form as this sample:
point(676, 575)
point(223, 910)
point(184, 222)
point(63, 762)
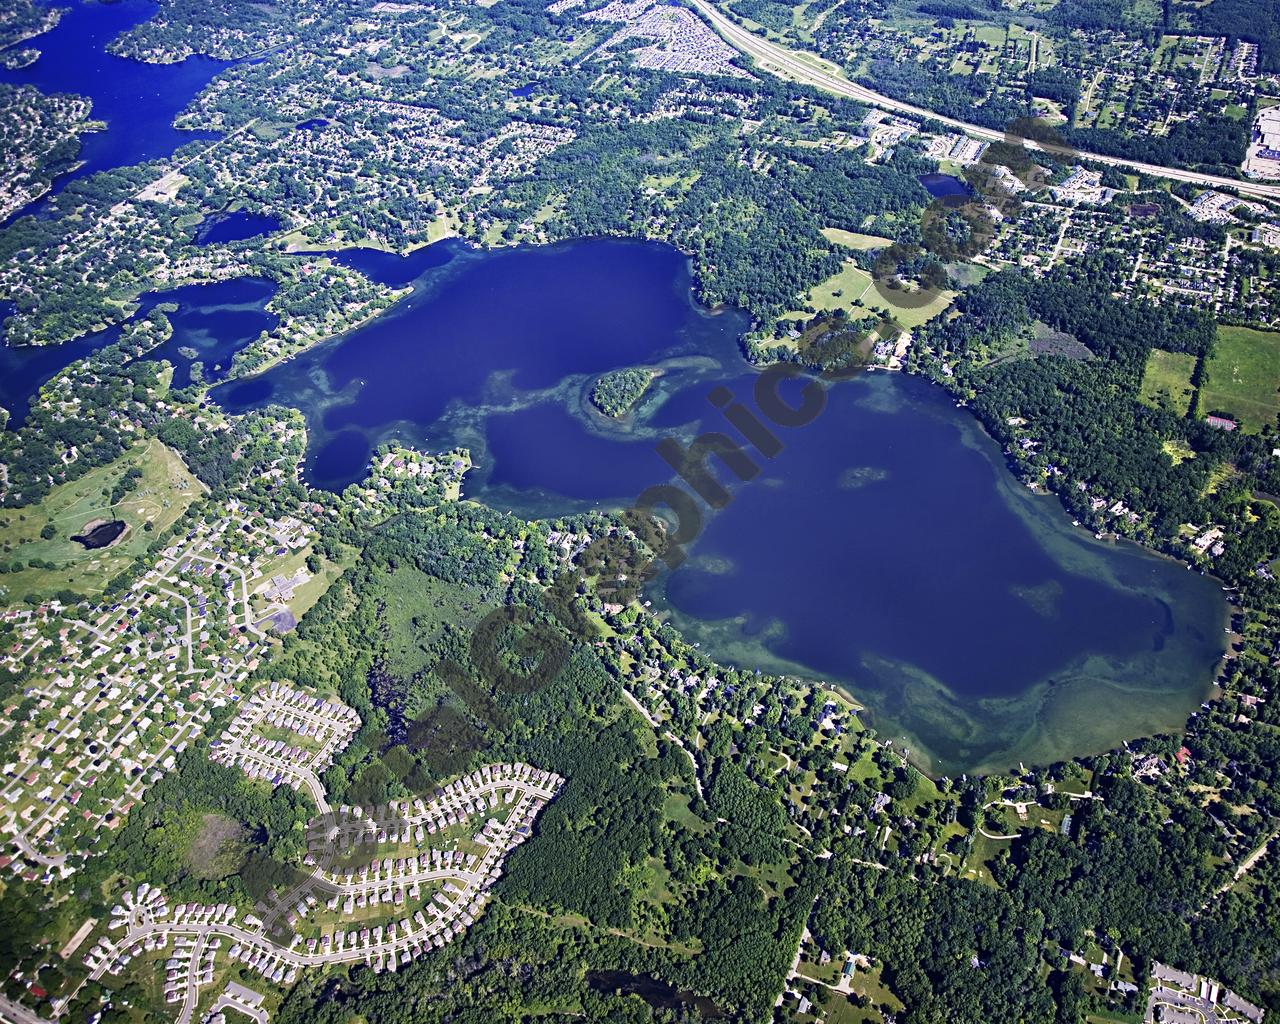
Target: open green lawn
point(854, 240)
point(852, 283)
point(1166, 382)
point(838, 1010)
point(1244, 376)
point(926, 791)
point(977, 865)
point(870, 984)
point(160, 497)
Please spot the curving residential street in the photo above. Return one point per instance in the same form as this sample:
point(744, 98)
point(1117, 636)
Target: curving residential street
point(811, 70)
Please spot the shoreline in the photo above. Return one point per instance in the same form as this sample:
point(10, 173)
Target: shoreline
point(1211, 689)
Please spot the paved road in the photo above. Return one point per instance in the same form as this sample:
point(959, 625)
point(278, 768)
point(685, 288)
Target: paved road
point(787, 63)
point(190, 997)
point(304, 776)
point(31, 853)
point(16, 1013)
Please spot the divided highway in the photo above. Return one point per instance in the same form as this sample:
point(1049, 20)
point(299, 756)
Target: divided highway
point(808, 69)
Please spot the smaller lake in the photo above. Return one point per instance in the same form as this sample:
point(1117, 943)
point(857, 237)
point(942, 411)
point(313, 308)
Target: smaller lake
point(942, 185)
point(234, 227)
point(212, 323)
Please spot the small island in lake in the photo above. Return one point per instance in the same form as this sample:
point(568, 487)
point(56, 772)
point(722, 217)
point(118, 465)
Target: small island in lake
point(616, 392)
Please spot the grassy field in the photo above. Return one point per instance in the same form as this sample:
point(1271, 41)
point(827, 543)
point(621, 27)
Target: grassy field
point(1166, 382)
point(854, 240)
point(217, 847)
point(1219, 475)
point(1177, 450)
point(415, 608)
point(160, 497)
point(1244, 376)
point(851, 283)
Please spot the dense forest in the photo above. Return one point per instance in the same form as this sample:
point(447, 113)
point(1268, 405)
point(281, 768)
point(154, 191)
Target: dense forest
point(617, 392)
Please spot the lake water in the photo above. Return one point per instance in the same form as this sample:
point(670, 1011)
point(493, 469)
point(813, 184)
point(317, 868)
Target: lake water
point(887, 549)
point(234, 227)
point(942, 185)
point(138, 101)
point(213, 320)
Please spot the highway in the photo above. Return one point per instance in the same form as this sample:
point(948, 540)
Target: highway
point(16, 1013)
point(809, 70)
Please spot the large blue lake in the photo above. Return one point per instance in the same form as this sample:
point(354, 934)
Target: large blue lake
point(886, 549)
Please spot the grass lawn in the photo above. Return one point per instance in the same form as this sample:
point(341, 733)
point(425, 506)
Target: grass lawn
point(869, 984)
point(676, 808)
point(1244, 376)
point(852, 283)
point(976, 867)
point(864, 768)
point(160, 497)
point(854, 240)
point(926, 791)
point(1076, 786)
point(1166, 381)
point(838, 1010)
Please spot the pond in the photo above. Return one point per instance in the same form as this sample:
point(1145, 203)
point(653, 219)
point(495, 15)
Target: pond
point(658, 994)
point(887, 549)
point(100, 535)
point(234, 227)
point(942, 185)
